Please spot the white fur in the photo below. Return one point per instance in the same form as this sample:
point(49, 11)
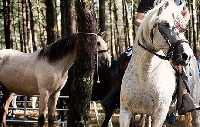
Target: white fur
point(149, 82)
point(195, 88)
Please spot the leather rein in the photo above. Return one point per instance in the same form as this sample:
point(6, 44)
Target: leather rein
point(179, 26)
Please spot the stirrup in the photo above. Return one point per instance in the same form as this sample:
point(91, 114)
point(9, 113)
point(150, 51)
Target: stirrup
point(187, 105)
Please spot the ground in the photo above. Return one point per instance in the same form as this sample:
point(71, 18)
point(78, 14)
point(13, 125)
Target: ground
point(32, 115)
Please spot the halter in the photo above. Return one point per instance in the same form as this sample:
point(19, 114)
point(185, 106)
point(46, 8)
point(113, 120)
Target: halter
point(97, 69)
point(179, 24)
point(98, 51)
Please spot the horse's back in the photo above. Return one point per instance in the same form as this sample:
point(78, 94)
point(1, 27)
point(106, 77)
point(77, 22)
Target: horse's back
point(17, 71)
point(7, 52)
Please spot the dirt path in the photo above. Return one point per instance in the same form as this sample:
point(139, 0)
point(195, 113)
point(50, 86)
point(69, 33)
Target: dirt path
point(32, 115)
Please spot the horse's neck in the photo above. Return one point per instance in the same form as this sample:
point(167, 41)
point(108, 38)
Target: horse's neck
point(66, 62)
point(144, 59)
point(141, 55)
point(144, 51)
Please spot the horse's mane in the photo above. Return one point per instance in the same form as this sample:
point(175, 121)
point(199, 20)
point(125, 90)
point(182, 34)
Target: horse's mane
point(151, 17)
point(148, 19)
point(59, 49)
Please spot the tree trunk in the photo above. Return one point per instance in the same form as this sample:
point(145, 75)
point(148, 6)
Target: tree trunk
point(126, 25)
point(41, 28)
point(67, 17)
point(84, 66)
point(112, 42)
point(117, 43)
point(51, 21)
point(34, 37)
point(102, 25)
point(29, 35)
point(7, 23)
point(20, 28)
point(24, 28)
point(194, 26)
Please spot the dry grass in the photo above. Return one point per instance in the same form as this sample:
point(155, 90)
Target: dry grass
point(32, 115)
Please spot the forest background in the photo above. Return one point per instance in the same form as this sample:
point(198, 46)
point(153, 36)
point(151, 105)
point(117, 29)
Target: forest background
point(28, 25)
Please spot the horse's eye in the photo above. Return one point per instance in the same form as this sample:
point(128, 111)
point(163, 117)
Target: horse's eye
point(98, 43)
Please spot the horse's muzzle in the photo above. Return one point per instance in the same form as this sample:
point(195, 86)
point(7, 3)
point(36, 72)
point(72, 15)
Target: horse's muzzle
point(105, 64)
point(180, 55)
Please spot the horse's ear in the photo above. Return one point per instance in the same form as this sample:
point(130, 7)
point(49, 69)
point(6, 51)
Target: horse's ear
point(163, 7)
point(102, 34)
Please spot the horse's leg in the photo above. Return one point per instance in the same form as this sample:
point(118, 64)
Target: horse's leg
point(51, 108)
point(44, 96)
point(14, 102)
point(33, 102)
point(108, 115)
point(132, 122)
point(196, 119)
point(142, 120)
point(159, 117)
point(14, 105)
point(148, 121)
point(61, 103)
point(5, 102)
point(110, 103)
point(124, 117)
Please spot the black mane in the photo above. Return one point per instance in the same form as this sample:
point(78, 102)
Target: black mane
point(59, 49)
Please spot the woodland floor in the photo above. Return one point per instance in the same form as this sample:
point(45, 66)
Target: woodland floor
point(32, 115)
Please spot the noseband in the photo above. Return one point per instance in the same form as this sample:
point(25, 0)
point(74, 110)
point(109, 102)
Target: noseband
point(171, 45)
point(179, 26)
point(102, 51)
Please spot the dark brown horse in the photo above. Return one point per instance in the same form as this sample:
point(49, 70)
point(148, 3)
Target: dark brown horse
point(100, 89)
point(112, 101)
point(107, 82)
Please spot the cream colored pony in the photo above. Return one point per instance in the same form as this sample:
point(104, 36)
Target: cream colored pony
point(149, 80)
point(43, 73)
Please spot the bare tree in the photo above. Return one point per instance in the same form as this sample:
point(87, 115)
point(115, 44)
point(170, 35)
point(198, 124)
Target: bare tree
point(84, 66)
point(67, 17)
point(32, 26)
point(102, 25)
point(51, 27)
point(7, 23)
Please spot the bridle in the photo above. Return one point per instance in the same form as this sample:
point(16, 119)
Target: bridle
point(98, 51)
point(102, 51)
point(97, 64)
point(179, 24)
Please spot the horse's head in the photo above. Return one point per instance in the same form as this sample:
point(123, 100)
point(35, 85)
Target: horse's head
point(104, 58)
point(165, 28)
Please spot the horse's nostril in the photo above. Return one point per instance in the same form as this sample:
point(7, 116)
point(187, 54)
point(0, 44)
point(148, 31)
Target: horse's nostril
point(185, 56)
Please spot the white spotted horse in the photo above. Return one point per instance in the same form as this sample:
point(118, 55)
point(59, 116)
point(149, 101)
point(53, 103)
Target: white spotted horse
point(43, 72)
point(111, 102)
point(149, 80)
